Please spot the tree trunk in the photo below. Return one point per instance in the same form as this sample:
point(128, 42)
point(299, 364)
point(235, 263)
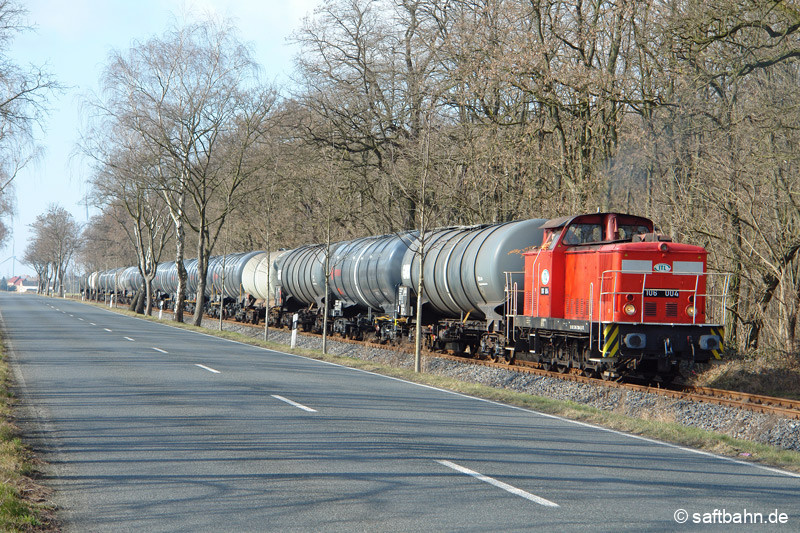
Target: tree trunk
point(202, 273)
point(180, 298)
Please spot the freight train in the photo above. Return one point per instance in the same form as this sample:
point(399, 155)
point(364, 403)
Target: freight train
point(603, 292)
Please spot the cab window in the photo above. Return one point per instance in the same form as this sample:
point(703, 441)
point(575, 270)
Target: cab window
point(628, 231)
point(583, 234)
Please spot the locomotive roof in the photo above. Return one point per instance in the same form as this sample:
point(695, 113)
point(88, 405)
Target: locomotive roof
point(563, 221)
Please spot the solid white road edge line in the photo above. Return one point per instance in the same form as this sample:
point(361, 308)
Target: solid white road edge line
point(505, 486)
point(298, 405)
point(159, 349)
point(204, 367)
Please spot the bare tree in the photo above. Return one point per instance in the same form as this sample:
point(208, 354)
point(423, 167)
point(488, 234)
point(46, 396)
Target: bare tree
point(364, 73)
point(194, 98)
point(23, 94)
point(56, 238)
point(123, 178)
point(104, 242)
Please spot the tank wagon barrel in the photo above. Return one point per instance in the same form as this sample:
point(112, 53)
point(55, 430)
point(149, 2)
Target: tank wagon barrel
point(166, 280)
point(366, 272)
point(109, 280)
point(94, 281)
point(130, 279)
point(233, 266)
point(465, 266)
point(301, 274)
point(255, 280)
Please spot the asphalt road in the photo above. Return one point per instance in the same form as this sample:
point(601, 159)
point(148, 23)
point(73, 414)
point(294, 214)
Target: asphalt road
point(151, 428)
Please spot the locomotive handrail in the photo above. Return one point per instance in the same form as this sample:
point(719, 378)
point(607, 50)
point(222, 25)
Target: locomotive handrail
point(712, 299)
point(511, 304)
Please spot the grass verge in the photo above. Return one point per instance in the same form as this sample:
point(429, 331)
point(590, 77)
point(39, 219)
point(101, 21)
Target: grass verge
point(666, 431)
point(23, 502)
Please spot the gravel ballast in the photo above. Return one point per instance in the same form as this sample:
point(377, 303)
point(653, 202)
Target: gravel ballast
point(756, 427)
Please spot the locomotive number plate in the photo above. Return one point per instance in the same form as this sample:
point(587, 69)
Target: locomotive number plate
point(654, 293)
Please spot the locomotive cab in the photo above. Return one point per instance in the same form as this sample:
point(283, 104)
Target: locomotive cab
point(606, 294)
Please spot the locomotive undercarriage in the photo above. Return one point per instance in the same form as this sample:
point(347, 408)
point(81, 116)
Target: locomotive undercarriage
point(558, 351)
point(561, 351)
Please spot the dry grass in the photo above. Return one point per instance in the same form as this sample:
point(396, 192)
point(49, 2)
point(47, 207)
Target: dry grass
point(767, 373)
point(23, 502)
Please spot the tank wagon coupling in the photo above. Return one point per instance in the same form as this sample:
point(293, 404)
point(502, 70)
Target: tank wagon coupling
point(606, 294)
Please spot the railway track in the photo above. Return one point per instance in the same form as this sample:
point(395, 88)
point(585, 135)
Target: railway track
point(782, 407)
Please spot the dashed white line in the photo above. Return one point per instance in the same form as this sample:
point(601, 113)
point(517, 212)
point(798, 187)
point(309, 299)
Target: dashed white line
point(108, 330)
point(159, 349)
point(79, 318)
point(298, 405)
point(499, 484)
point(204, 367)
point(92, 324)
point(129, 339)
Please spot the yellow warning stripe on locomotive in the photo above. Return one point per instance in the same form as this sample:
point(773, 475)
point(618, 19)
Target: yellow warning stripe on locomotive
point(610, 344)
point(718, 352)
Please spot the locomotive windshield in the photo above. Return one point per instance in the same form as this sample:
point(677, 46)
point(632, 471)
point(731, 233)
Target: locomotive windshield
point(592, 232)
point(583, 234)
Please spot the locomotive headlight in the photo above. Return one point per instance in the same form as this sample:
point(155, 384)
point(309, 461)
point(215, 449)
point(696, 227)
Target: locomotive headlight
point(691, 311)
point(629, 309)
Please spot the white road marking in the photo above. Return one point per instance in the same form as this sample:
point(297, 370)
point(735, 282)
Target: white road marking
point(208, 368)
point(108, 330)
point(505, 486)
point(71, 315)
point(129, 339)
point(79, 318)
point(159, 349)
point(507, 406)
point(298, 405)
point(92, 324)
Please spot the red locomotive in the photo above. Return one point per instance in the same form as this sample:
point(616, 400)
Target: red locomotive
point(606, 294)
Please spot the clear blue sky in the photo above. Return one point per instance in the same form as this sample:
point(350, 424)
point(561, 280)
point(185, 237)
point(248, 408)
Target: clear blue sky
point(73, 39)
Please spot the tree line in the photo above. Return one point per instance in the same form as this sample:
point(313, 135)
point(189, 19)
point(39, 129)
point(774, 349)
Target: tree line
point(464, 112)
